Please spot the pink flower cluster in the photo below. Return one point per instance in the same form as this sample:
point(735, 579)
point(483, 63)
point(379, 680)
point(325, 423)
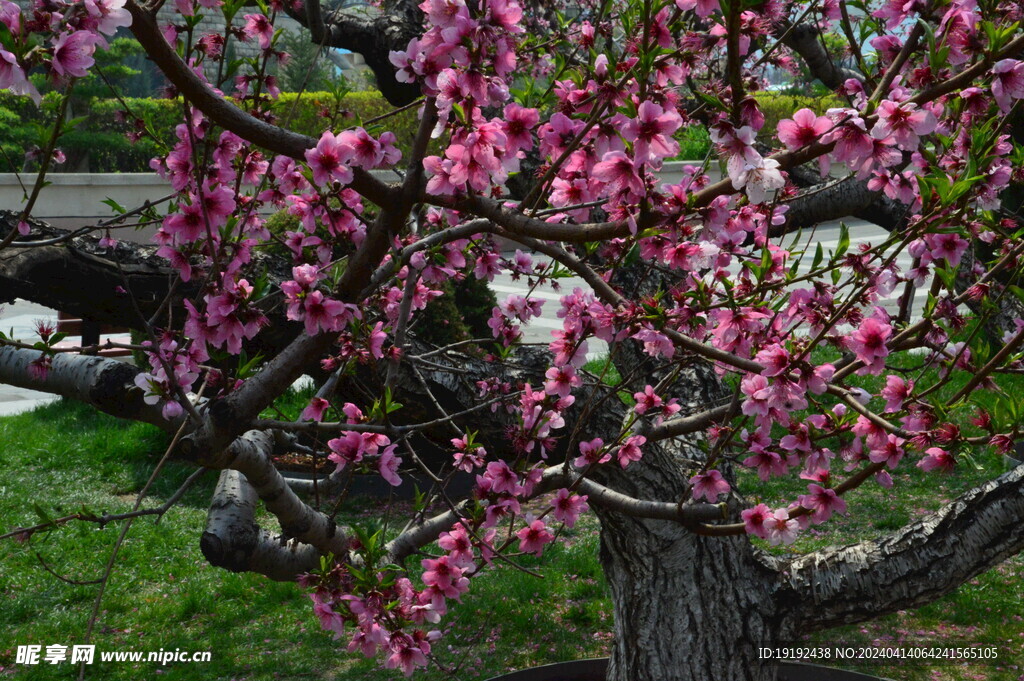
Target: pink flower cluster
point(68, 35)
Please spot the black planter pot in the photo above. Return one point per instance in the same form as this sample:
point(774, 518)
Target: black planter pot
point(594, 670)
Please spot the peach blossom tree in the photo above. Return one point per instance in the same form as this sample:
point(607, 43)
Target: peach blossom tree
point(541, 138)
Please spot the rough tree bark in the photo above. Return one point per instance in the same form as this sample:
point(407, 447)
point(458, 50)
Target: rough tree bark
point(675, 592)
point(235, 542)
point(687, 607)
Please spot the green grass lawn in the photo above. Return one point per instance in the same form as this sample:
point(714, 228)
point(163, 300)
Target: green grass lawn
point(164, 595)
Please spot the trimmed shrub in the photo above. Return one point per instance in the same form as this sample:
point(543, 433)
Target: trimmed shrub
point(99, 142)
point(694, 143)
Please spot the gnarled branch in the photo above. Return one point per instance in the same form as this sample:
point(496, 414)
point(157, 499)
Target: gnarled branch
point(235, 542)
point(915, 565)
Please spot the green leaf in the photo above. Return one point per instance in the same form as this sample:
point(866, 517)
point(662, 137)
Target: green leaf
point(844, 240)
point(114, 205)
point(966, 455)
point(247, 368)
point(947, 276)
point(819, 255)
point(41, 512)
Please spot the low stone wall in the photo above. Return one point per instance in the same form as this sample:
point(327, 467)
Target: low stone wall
point(75, 199)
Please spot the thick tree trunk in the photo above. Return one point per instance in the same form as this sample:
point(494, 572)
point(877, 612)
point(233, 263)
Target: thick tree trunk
point(687, 608)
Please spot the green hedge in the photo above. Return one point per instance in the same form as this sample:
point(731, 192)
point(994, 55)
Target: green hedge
point(100, 137)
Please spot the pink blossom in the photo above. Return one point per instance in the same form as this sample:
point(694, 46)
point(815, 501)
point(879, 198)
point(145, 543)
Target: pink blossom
point(368, 638)
point(895, 392)
point(646, 400)
point(561, 380)
point(533, 537)
point(486, 266)
point(869, 344)
point(445, 576)
point(10, 16)
point(775, 359)
point(890, 452)
point(823, 502)
point(804, 129)
point(13, 78)
point(620, 174)
point(704, 8)
point(259, 26)
point(446, 178)
point(72, 53)
point(798, 439)
point(949, 246)
point(780, 528)
point(467, 458)
point(737, 146)
point(754, 520)
point(656, 344)
point(754, 386)
point(445, 13)
point(757, 180)
point(314, 411)
point(630, 450)
point(651, 133)
point(709, 485)
point(937, 459)
point(567, 507)
point(518, 123)
point(329, 160)
point(39, 369)
point(367, 152)
point(109, 14)
point(187, 225)
point(852, 142)
point(406, 654)
point(1008, 82)
point(558, 133)
point(388, 465)
point(568, 349)
point(767, 463)
point(458, 545)
point(321, 313)
point(347, 449)
point(502, 479)
point(591, 453)
point(904, 123)
point(565, 193)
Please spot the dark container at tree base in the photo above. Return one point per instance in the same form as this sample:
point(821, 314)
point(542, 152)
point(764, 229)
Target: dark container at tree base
point(594, 670)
